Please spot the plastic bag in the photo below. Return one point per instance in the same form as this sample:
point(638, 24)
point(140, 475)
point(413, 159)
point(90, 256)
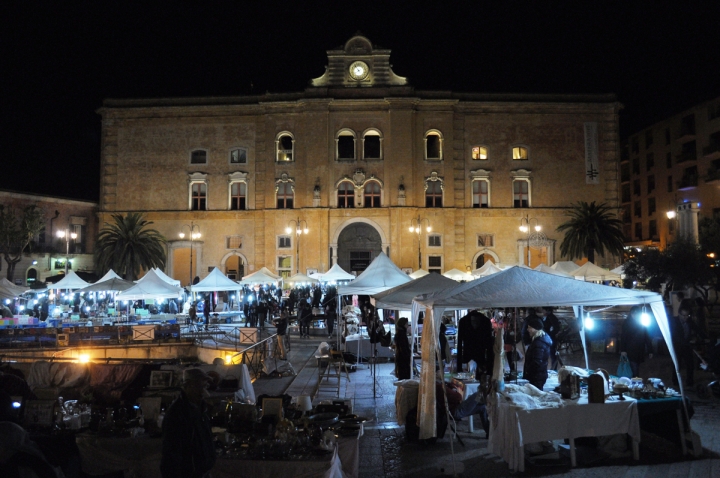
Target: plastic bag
point(624, 369)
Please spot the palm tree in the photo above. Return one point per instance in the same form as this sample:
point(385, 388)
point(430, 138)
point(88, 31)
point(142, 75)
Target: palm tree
point(126, 246)
point(592, 227)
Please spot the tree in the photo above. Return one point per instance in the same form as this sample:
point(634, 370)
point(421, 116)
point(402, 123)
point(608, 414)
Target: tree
point(17, 232)
point(126, 246)
point(592, 227)
point(649, 266)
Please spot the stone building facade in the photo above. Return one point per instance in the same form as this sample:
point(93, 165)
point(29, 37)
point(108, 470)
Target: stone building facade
point(49, 252)
point(671, 166)
point(356, 159)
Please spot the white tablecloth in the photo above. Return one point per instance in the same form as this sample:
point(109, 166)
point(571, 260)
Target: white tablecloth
point(516, 427)
point(321, 468)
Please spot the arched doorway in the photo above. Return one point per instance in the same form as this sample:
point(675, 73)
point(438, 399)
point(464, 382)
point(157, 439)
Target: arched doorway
point(234, 266)
point(485, 256)
point(31, 276)
point(358, 244)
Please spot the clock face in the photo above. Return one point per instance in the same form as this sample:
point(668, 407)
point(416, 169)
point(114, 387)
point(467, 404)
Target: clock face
point(359, 70)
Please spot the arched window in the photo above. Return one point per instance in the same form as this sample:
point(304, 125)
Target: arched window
point(197, 200)
point(238, 196)
point(371, 194)
point(285, 196)
point(372, 144)
point(433, 145)
point(346, 194)
point(284, 147)
point(198, 156)
point(481, 193)
point(479, 153)
point(520, 153)
point(433, 193)
point(345, 144)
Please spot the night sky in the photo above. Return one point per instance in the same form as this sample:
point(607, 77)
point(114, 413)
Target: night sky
point(59, 60)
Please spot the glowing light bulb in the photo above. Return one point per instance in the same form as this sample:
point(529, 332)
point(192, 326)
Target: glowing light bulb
point(83, 358)
point(589, 323)
point(645, 319)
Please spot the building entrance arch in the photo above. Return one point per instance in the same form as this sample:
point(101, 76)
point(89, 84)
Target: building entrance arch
point(356, 243)
point(483, 256)
point(233, 265)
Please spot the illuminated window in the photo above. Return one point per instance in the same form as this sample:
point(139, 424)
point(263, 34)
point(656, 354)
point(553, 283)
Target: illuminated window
point(481, 196)
point(238, 156)
point(520, 153)
point(284, 147)
point(433, 194)
point(372, 144)
point(284, 266)
point(346, 194)
point(479, 152)
point(521, 193)
point(285, 196)
point(238, 195)
point(433, 145)
point(198, 156)
point(345, 144)
point(372, 194)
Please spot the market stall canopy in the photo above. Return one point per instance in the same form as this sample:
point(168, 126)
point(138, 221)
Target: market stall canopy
point(487, 269)
point(71, 281)
point(301, 278)
point(418, 274)
point(166, 278)
point(7, 293)
point(619, 270)
point(111, 274)
point(151, 286)
point(262, 276)
point(382, 274)
point(215, 281)
point(458, 275)
point(565, 266)
point(549, 270)
point(15, 289)
point(335, 274)
point(401, 297)
point(591, 272)
point(114, 284)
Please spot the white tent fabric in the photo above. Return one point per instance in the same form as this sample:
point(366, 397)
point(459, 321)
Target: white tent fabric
point(111, 274)
point(114, 284)
point(12, 288)
point(591, 272)
point(418, 274)
point(300, 278)
point(336, 273)
point(215, 281)
point(382, 274)
point(401, 297)
point(487, 269)
point(71, 281)
point(458, 275)
point(166, 277)
point(565, 266)
point(619, 270)
point(260, 277)
point(6, 293)
point(517, 287)
point(549, 270)
point(151, 286)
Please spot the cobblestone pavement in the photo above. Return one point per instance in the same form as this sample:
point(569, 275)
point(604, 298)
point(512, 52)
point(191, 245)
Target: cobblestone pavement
point(384, 451)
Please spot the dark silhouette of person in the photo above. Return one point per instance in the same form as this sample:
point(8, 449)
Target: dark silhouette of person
point(206, 311)
point(635, 341)
point(402, 350)
point(475, 342)
point(538, 354)
point(187, 448)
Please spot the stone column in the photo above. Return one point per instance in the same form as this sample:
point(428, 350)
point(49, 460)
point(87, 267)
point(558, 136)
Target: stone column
point(688, 220)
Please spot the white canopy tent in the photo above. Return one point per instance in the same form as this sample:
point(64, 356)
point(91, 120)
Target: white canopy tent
point(518, 287)
point(335, 274)
point(418, 274)
point(591, 272)
point(166, 277)
point(458, 275)
point(300, 278)
point(70, 282)
point(151, 286)
point(111, 274)
point(12, 288)
point(549, 270)
point(215, 281)
point(262, 276)
point(114, 284)
point(565, 266)
point(619, 270)
point(401, 297)
point(382, 274)
point(487, 269)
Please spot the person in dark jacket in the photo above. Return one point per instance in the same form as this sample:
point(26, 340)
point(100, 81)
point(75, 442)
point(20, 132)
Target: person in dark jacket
point(635, 341)
point(305, 317)
point(206, 311)
point(538, 354)
point(475, 342)
point(685, 333)
point(526, 337)
point(551, 326)
point(330, 317)
point(187, 448)
point(402, 350)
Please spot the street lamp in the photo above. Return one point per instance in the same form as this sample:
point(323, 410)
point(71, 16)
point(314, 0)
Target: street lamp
point(299, 230)
point(67, 235)
point(193, 235)
point(535, 238)
point(416, 227)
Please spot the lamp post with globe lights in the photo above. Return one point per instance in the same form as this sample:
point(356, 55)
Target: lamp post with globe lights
point(194, 234)
point(416, 227)
point(301, 227)
point(67, 235)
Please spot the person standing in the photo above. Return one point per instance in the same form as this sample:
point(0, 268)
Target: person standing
point(475, 342)
point(206, 311)
point(402, 350)
point(330, 317)
point(635, 341)
point(281, 325)
point(187, 448)
point(192, 314)
point(551, 326)
point(537, 354)
point(684, 334)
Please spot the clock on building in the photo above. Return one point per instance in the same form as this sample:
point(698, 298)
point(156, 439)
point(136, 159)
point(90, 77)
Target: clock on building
point(359, 70)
